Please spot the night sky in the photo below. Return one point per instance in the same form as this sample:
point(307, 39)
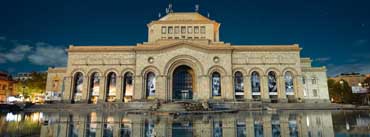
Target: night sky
point(34, 33)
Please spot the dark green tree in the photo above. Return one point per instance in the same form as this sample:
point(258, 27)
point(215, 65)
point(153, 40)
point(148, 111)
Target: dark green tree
point(36, 84)
point(345, 91)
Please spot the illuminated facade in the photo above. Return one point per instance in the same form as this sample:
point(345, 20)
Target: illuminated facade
point(184, 59)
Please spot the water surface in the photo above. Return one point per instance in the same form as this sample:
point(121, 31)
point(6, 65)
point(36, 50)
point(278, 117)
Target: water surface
point(241, 124)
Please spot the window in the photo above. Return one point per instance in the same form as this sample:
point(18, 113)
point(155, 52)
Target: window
point(190, 30)
point(177, 30)
point(315, 92)
point(94, 87)
point(255, 79)
point(111, 87)
point(170, 30)
point(169, 37)
point(216, 84)
point(183, 30)
point(289, 85)
point(238, 84)
point(77, 87)
point(196, 30)
point(196, 37)
point(177, 38)
point(190, 37)
point(203, 29)
point(314, 80)
point(150, 84)
point(183, 37)
point(202, 37)
point(272, 83)
point(164, 30)
point(303, 80)
point(128, 86)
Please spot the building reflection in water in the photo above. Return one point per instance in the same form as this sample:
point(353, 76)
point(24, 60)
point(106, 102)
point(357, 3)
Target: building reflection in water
point(242, 124)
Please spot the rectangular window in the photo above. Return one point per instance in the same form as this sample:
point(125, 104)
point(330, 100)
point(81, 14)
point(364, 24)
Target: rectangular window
point(164, 30)
point(169, 37)
point(196, 30)
point(315, 92)
point(203, 29)
point(176, 37)
point(190, 30)
point(183, 37)
point(177, 30)
point(183, 30)
point(314, 80)
point(196, 37)
point(170, 30)
point(202, 37)
point(190, 37)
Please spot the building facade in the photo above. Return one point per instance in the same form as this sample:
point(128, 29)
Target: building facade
point(184, 59)
point(7, 87)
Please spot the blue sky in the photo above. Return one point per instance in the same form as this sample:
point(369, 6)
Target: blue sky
point(335, 33)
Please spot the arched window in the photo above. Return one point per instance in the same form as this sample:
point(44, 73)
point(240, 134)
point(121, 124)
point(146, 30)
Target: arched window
point(128, 86)
point(94, 88)
point(272, 83)
point(238, 84)
point(289, 84)
point(111, 87)
point(255, 81)
point(216, 84)
point(77, 87)
point(150, 84)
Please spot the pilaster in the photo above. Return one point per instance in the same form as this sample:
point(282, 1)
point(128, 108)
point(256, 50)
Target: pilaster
point(281, 89)
point(139, 92)
point(119, 92)
point(264, 89)
point(102, 93)
point(247, 88)
point(67, 90)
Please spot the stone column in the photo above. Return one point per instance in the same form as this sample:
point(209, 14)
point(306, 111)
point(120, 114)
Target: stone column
point(264, 89)
point(284, 127)
point(227, 91)
point(139, 92)
point(247, 88)
point(228, 127)
point(85, 88)
point(250, 126)
point(161, 90)
point(267, 129)
point(67, 90)
point(298, 87)
point(281, 89)
point(119, 92)
point(204, 88)
point(102, 92)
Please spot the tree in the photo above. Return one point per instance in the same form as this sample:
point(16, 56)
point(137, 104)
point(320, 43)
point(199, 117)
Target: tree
point(367, 83)
point(340, 91)
point(35, 85)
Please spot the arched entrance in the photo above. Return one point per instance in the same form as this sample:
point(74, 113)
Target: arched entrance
point(183, 83)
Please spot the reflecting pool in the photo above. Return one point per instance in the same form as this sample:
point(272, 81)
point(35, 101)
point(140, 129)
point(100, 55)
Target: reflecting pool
point(241, 124)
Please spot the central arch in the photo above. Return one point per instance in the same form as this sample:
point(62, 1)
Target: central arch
point(183, 83)
point(190, 63)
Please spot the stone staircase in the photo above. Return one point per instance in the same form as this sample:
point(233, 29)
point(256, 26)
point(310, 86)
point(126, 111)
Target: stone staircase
point(171, 107)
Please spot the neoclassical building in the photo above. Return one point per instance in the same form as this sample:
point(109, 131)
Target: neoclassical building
point(185, 60)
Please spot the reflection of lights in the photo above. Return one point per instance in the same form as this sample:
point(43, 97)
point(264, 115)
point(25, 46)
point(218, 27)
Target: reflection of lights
point(35, 117)
point(308, 121)
point(347, 126)
point(13, 117)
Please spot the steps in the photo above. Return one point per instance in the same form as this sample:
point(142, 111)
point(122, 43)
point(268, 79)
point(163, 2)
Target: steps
point(172, 107)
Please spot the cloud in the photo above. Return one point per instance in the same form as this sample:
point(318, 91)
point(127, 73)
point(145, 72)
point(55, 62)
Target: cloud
point(360, 42)
point(323, 59)
point(39, 53)
point(2, 38)
point(363, 68)
point(15, 55)
point(48, 55)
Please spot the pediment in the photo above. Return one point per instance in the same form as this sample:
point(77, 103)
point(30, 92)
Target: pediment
point(186, 44)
